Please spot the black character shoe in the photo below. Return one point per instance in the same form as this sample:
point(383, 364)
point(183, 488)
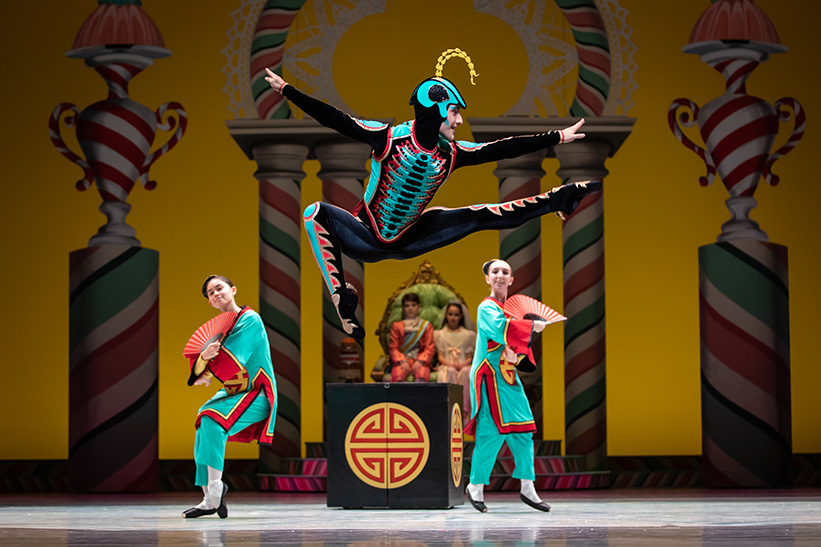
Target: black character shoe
point(346, 300)
point(565, 199)
point(195, 512)
point(541, 506)
point(478, 505)
point(222, 508)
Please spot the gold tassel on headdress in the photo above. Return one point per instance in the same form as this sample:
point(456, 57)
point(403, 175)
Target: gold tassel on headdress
point(447, 54)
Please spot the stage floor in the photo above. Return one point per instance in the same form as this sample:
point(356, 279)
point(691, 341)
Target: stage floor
point(635, 517)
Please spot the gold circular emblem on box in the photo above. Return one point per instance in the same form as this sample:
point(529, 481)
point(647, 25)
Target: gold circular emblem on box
point(387, 445)
point(456, 444)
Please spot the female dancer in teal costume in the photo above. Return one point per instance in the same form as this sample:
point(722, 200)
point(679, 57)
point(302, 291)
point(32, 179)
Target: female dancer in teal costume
point(408, 165)
point(501, 412)
point(245, 409)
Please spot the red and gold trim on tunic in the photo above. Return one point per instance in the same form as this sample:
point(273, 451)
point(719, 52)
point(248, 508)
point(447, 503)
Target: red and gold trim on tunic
point(485, 375)
point(260, 384)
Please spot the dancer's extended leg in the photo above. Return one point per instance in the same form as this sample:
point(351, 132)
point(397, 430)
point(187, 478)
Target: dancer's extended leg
point(441, 226)
point(327, 227)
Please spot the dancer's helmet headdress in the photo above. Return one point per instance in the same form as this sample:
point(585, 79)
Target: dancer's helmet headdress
point(440, 92)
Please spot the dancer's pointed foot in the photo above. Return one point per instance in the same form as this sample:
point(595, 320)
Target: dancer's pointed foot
point(565, 199)
point(541, 506)
point(195, 512)
point(218, 497)
point(346, 300)
point(478, 505)
point(205, 507)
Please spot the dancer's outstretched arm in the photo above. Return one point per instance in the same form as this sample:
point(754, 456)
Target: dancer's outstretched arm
point(371, 133)
point(511, 147)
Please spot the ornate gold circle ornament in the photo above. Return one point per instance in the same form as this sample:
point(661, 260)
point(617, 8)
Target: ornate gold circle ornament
point(387, 445)
point(456, 451)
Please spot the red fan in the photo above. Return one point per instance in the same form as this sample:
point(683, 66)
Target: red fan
point(520, 306)
point(213, 330)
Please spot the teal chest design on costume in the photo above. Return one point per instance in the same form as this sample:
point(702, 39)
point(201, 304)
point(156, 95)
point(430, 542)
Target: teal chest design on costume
point(406, 181)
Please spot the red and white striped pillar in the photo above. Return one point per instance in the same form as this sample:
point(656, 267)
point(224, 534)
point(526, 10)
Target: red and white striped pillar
point(280, 221)
point(113, 369)
point(584, 331)
point(522, 248)
point(745, 364)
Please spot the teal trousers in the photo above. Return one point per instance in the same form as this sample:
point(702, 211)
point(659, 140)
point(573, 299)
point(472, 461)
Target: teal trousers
point(488, 443)
point(209, 444)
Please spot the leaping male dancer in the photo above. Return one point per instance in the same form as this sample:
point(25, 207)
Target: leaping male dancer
point(409, 163)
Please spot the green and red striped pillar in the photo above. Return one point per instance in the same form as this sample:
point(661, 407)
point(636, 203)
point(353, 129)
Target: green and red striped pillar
point(113, 369)
point(280, 219)
point(267, 51)
point(585, 364)
point(584, 333)
point(745, 364)
point(522, 248)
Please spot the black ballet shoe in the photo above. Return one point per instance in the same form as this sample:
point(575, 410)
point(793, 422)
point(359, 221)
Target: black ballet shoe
point(541, 506)
point(195, 512)
point(565, 199)
point(222, 508)
point(346, 300)
point(478, 505)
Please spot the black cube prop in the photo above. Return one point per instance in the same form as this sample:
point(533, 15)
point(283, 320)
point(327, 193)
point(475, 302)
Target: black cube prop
point(396, 446)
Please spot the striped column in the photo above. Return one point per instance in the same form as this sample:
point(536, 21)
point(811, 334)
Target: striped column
point(342, 172)
point(745, 364)
point(280, 217)
point(584, 332)
point(267, 49)
point(113, 369)
point(593, 48)
point(522, 248)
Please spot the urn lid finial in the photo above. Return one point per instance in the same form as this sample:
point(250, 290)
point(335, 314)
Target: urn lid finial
point(118, 22)
point(735, 23)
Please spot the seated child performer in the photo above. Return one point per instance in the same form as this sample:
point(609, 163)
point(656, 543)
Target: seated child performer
point(454, 350)
point(244, 410)
point(411, 343)
point(501, 412)
point(409, 163)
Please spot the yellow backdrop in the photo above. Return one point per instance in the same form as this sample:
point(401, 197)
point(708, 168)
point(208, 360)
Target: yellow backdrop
point(202, 217)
